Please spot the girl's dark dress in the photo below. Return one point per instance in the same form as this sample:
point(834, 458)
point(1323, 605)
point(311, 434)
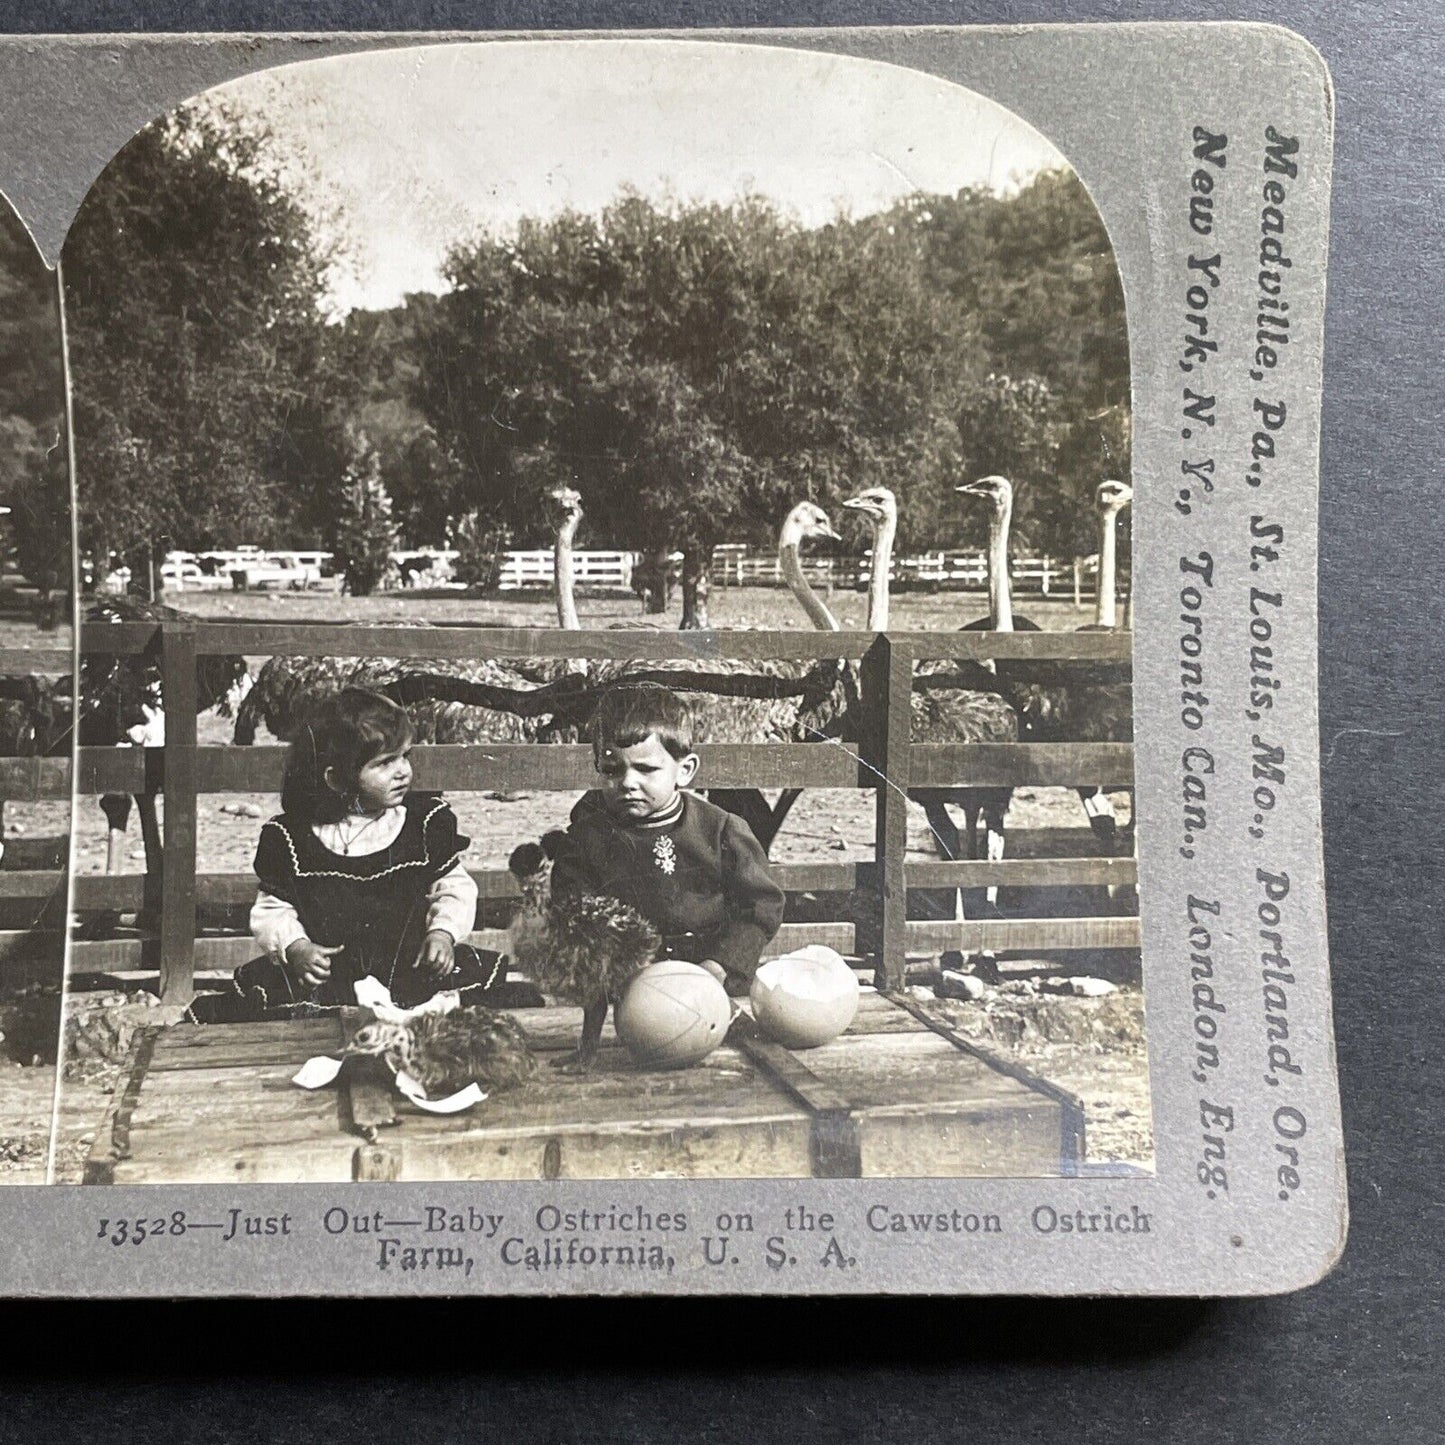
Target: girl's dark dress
point(374, 906)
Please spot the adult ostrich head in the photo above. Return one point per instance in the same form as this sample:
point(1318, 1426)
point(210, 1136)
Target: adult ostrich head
point(999, 493)
point(878, 504)
point(1112, 497)
point(880, 508)
point(565, 512)
point(806, 520)
point(998, 490)
point(565, 508)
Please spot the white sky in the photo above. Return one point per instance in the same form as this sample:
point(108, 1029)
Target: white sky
point(414, 149)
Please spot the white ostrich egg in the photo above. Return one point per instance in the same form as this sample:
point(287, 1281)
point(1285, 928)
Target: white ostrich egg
point(805, 998)
point(672, 1015)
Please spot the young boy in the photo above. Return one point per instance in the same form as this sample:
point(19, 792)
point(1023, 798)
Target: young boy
point(695, 871)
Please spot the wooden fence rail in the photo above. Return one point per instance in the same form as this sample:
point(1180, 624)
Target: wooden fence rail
point(33, 896)
point(885, 762)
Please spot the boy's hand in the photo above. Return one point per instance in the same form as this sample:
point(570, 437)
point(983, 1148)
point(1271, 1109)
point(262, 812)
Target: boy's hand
point(716, 969)
point(438, 954)
point(309, 964)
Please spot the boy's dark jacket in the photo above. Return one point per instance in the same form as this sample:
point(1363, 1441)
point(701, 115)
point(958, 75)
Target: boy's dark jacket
point(702, 880)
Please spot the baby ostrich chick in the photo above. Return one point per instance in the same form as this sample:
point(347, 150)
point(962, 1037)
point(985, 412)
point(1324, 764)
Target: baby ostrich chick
point(584, 949)
point(446, 1052)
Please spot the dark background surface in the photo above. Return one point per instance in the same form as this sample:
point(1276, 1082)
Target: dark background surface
point(1357, 1357)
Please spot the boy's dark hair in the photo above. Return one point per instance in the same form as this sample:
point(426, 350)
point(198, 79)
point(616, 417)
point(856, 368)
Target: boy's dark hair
point(630, 714)
point(344, 731)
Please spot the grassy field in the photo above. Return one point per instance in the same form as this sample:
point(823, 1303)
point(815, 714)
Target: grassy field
point(772, 607)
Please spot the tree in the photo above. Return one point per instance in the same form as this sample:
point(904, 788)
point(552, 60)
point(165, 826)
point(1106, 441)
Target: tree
point(479, 545)
point(206, 385)
point(34, 482)
point(364, 531)
point(40, 526)
point(694, 371)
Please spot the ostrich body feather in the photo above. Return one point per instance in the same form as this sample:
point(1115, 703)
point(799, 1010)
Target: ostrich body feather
point(445, 1052)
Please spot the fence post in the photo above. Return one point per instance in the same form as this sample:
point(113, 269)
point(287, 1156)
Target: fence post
point(887, 678)
point(178, 858)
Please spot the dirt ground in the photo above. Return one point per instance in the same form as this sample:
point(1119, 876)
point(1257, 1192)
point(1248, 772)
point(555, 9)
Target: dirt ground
point(29, 1019)
point(1092, 1047)
point(18, 629)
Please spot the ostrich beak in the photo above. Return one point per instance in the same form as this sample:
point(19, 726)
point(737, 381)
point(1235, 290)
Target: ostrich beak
point(974, 489)
point(857, 504)
point(825, 529)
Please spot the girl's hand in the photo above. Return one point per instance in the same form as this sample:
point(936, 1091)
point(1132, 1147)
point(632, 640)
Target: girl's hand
point(309, 964)
point(438, 953)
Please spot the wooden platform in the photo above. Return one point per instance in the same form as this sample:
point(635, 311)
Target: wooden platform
point(899, 1095)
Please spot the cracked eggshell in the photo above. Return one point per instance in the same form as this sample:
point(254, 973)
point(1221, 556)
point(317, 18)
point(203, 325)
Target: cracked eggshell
point(806, 998)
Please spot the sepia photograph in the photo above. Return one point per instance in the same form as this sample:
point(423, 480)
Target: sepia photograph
point(36, 699)
point(605, 583)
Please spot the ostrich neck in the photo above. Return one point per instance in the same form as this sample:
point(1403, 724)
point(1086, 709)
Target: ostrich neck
point(566, 584)
point(878, 582)
point(1000, 601)
point(1104, 606)
point(792, 569)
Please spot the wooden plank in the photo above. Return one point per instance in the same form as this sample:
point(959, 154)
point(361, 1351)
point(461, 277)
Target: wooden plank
point(924, 1108)
point(40, 661)
point(183, 1109)
point(214, 1042)
point(244, 1055)
point(834, 1150)
point(1071, 1118)
point(494, 885)
point(910, 1103)
point(30, 780)
point(704, 1148)
point(116, 639)
point(112, 1139)
point(21, 945)
point(376, 1163)
point(1025, 873)
point(944, 1142)
point(320, 640)
point(307, 1160)
point(43, 883)
point(178, 861)
point(313, 639)
point(228, 953)
point(877, 1014)
point(472, 767)
point(368, 1091)
point(498, 885)
point(887, 674)
point(1025, 934)
point(942, 765)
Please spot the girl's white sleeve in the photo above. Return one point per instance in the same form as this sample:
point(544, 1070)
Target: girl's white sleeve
point(275, 924)
point(453, 900)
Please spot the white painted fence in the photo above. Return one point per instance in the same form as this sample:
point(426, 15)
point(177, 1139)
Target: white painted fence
point(611, 571)
point(735, 566)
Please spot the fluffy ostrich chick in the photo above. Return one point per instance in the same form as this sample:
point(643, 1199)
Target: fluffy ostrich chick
point(584, 949)
point(446, 1052)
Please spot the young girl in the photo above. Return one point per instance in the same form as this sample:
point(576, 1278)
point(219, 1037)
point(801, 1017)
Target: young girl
point(360, 876)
